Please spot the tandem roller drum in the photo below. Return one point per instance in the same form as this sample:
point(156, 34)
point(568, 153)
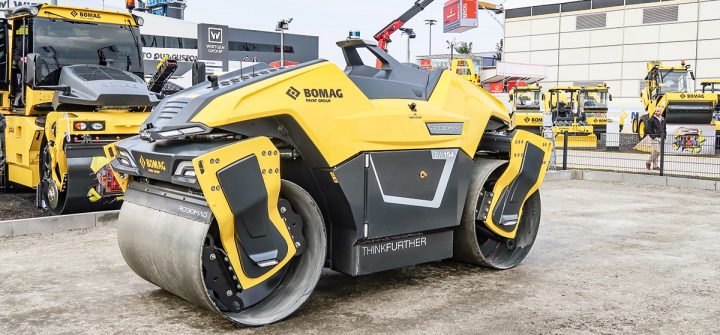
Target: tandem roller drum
point(169, 239)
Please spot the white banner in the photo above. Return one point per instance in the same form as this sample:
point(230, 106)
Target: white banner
point(181, 55)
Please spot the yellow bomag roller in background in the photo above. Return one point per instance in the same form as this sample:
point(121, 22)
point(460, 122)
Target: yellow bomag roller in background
point(72, 84)
point(243, 188)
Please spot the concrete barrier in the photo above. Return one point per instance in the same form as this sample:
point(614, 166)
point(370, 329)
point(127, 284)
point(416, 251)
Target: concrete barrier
point(54, 224)
point(632, 178)
point(602, 176)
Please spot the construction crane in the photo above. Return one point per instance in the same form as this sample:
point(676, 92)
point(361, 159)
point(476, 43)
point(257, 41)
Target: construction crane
point(383, 36)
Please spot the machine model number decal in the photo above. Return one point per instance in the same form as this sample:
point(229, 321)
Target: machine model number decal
point(445, 128)
point(394, 246)
point(193, 212)
point(315, 95)
point(443, 154)
point(152, 165)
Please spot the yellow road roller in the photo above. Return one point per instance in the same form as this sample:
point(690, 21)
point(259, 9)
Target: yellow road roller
point(240, 190)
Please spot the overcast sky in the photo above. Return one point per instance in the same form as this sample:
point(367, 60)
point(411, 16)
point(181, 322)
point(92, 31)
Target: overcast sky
point(332, 19)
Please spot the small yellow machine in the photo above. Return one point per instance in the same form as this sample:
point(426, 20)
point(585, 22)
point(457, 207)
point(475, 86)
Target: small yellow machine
point(713, 86)
point(671, 88)
point(526, 113)
point(466, 68)
point(565, 104)
point(255, 183)
point(594, 101)
point(72, 83)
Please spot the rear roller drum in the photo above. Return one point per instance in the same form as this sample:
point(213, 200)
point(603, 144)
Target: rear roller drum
point(191, 263)
point(475, 243)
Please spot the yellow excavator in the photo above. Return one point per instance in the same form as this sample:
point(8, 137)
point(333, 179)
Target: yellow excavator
point(255, 183)
point(713, 86)
point(526, 113)
point(671, 88)
point(71, 83)
point(568, 116)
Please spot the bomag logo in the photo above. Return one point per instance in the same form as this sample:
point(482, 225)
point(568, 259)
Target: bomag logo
point(316, 95)
point(86, 15)
point(533, 119)
point(152, 165)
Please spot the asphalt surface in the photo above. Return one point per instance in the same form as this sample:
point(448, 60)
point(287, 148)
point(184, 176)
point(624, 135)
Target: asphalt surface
point(14, 206)
point(609, 258)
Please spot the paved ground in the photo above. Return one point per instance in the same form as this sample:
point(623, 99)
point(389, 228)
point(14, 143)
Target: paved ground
point(15, 206)
point(638, 261)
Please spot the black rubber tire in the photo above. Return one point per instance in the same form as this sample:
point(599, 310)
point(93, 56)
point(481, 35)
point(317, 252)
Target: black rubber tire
point(303, 273)
point(477, 244)
point(59, 209)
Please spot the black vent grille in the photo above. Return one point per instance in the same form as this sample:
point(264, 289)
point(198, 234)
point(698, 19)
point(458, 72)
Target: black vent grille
point(93, 73)
point(660, 14)
point(170, 109)
point(591, 21)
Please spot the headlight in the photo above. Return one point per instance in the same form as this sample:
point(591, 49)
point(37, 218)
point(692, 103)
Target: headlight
point(124, 158)
point(81, 126)
point(89, 126)
point(182, 132)
point(185, 169)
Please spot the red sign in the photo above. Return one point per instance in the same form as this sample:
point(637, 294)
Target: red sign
point(469, 9)
point(515, 83)
point(426, 64)
point(460, 15)
point(497, 87)
point(452, 12)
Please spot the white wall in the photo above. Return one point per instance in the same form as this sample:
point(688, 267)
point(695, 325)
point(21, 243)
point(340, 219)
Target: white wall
point(617, 54)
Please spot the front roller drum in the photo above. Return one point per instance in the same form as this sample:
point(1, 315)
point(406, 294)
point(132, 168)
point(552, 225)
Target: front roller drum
point(475, 243)
point(180, 255)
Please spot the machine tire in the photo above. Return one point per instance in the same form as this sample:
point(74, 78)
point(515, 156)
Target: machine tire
point(642, 127)
point(475, 243)
point(302, 275)
point(57, 205)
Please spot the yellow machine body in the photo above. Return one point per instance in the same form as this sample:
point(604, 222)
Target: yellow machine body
point(526, 104)
point(467, 68)
point(42, 129)
point(671, 88)
point(572, 115)
point(713, 86)
point(250, 172)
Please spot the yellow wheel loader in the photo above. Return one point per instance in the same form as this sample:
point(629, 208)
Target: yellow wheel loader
point(526, 113)
point(241, 189)
point(568, 116)
point(71, 84)
point(713, 86)
point(671, 88)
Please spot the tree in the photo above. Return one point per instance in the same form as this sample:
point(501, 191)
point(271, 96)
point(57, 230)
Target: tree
point(464, 48)
point(499, 49)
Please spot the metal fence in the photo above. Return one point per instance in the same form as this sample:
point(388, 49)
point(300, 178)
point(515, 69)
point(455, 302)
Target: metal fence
point(681, 154)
